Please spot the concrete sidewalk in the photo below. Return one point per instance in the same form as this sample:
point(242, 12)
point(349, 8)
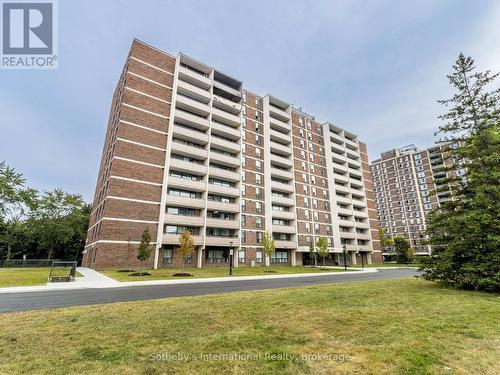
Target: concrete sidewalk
point(95, 280)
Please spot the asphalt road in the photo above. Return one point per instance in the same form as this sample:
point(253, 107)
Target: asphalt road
point(61, 298)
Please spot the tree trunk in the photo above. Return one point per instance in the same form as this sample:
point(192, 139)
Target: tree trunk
point(140, 269)
point(324, 265)
point(9, 250)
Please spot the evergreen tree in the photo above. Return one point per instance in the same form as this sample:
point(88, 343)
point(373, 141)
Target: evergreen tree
point(465, 232)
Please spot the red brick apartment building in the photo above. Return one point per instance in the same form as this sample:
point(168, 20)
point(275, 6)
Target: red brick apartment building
point(407, 186)
point(188, 147)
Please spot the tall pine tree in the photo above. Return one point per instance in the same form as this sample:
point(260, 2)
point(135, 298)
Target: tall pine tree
point(465, 232)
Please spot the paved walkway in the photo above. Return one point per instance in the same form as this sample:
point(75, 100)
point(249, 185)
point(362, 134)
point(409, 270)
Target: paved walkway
point(92, 279)
point(88, 296)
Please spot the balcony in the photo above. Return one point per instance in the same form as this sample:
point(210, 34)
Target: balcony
point(222, 241)
point(280, 173)
point(224, 174)
point(188, 167)
point(173, 200)
point(226, 105)
point(228, 89)
point(353, 144)
point(360, 225)
point(186, 184)
point(225, 145)
point(342, 189)
point(353, 163)
point(279, 186)
point(348, 235)
point(345, 223)
point(225, 207)
point(190, 151)
point(285, 215)
point(358, 203)
point(221, 223)
point(280, 149)
point(355, 182)
point(351, 247)
point(226, 131)
point(279, 113)
point(336, 138)
point(284, 229)
point(225, 117)
point(188, 134)
point(343, 200)
point(187, 89)
point(279, 125)
point(283, 201)
point(229, 161)
point(195, 78)
point(286, 244)
point(189, 119)
point(191, 105)
point(192, 221)
point(280, 137)
point(340, 178)
point(223, 190)
point(363, 236)
point(173, 239)
point(343, 211)
point(281, 161)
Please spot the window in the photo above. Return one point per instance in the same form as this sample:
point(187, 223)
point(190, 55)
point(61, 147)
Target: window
point(241, 256)
point(258, 193)
point(258, 256)
point(168, 256)
point(216, 256)
point(243, 236)
point(258, 237)
point(257, 152)
point(279, 257)
point(258, 179)
point(258, 165)
point(258, 222)
point(258, 207)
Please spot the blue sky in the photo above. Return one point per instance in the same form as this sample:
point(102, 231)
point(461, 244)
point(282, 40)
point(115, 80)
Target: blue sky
point(373, 67)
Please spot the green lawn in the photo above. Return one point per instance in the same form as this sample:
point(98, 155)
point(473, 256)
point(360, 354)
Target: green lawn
point(23, 276)
point(166, 273)
point(402, 326)
point(28, 276)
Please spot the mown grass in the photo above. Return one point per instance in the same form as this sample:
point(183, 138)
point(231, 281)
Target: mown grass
point(166, 273)
point(27, 276)
point(23, 276)
point(402, 326)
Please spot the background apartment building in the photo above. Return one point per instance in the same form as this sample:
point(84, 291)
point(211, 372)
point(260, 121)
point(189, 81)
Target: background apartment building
point(188, 148)
point(408, 183)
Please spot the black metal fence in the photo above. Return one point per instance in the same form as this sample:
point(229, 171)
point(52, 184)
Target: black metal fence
point(19, 263)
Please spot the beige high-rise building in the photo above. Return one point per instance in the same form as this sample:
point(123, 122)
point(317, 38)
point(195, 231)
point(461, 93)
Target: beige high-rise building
point(187, 147)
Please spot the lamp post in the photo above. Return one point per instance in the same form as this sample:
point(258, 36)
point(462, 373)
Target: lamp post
point(231, 258)
point(344, 250)
point(362, 260)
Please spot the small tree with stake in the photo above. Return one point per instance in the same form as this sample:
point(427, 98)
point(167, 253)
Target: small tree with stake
point(322, 248)
point(144, 251)
point(268, 245)
point(312, 253)
point(186, 246)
